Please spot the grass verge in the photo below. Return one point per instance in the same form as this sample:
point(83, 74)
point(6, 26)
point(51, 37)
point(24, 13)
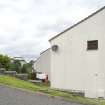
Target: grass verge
point(13, 82)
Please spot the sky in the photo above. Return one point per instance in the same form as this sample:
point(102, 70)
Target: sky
point(27, 25)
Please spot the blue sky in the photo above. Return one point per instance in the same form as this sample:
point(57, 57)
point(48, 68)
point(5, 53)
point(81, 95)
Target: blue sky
point(27, 25)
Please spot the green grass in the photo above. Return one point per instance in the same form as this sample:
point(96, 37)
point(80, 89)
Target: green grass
point(13, 82)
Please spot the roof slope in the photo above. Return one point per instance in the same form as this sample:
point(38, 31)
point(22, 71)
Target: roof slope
point(44, 51)
point(78, 23)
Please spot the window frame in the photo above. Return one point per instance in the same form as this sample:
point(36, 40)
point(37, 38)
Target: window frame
point(92, 45)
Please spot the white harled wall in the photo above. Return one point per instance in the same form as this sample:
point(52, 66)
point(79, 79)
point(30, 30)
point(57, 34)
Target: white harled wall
point(73, 67)
point(42, 64)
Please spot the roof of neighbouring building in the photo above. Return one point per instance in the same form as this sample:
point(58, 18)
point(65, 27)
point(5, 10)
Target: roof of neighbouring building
point(44, 51)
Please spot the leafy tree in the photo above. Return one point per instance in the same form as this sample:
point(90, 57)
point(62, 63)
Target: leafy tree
point(5, 61)
point(27, 68)
point(24, 68)
point(16, 66)
point(31, 62)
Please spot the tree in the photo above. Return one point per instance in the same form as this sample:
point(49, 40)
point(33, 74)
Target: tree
point(5, 61)
point(24, 68)
point(16, 66)
point(27, 68)
point(31, 62)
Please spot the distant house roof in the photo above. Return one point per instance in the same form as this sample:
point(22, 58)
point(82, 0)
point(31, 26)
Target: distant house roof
point(78, 23)
point(44, 51)
point(19, 58)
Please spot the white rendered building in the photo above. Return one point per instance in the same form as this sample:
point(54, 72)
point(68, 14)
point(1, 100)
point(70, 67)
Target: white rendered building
point(78, 57)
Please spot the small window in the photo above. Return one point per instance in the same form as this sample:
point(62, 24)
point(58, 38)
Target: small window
point(92, 45)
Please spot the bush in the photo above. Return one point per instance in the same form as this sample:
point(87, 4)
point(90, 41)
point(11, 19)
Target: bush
point(15, 66)
point(4, 62)
point(32, 76)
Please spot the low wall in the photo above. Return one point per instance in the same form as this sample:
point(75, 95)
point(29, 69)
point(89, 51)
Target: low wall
point(2, 70)
point(22, 76)
point(10, 73)
point(14, 74)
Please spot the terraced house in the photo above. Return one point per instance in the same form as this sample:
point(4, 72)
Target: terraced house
point(78, 57)
point(42, 64)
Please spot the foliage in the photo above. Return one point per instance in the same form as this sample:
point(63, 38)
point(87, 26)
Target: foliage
point(19, 68)
point(30, 76)
point(27, 68)
point(24, 69)
point(31, 62)
point(16, 66)
point(4, 62)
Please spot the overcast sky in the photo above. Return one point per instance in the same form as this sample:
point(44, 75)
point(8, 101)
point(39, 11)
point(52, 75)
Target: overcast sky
point(27, 25)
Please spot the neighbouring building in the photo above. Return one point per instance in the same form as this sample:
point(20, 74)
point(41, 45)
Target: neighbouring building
point(78, 57)
point(22, 61)
point(42, 64)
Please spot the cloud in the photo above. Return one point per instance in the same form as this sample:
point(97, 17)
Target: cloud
point(27, 25)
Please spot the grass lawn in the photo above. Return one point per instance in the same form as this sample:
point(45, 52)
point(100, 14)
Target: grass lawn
point(13, 82)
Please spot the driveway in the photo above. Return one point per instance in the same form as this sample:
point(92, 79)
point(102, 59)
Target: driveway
point(11, 96)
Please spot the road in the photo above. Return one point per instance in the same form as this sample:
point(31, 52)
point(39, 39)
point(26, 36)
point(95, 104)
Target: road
point(12, 96)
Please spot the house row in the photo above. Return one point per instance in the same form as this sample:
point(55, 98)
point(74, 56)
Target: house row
point(76, 60)
point(21, 59)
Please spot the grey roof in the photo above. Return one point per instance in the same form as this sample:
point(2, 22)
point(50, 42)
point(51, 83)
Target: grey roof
point(44, 51)
point(78, 23)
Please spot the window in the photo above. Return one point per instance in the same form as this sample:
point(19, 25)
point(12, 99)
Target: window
point(92, 45)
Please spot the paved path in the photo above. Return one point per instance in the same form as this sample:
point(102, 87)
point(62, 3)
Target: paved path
point(11, 96)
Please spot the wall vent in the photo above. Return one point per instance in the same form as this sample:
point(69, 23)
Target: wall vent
point(54, 47)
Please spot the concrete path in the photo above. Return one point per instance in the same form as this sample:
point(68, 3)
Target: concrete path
point(11, 96)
